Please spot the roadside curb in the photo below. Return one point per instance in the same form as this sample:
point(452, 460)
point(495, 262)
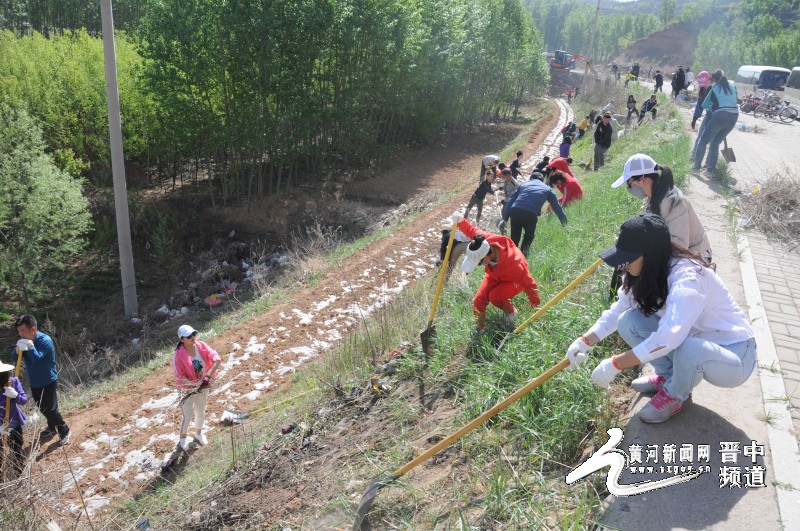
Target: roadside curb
point(782, 442)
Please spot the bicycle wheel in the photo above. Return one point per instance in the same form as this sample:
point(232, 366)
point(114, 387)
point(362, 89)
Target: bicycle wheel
point(788, 114)
point(760, 110)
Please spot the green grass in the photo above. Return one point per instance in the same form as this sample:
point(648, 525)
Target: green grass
point(509, 472)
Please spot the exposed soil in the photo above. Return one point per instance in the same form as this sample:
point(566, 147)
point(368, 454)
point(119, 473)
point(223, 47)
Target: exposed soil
point(118, 441)
point(665, 50)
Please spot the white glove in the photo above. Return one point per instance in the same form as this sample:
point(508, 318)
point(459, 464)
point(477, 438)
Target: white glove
point(10, 392)
point(24, 344)
point(577, 352)
point(604, 373)
point(456, 217)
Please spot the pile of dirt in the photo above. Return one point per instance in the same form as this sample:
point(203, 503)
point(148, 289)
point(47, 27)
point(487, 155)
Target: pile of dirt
point(665, 50)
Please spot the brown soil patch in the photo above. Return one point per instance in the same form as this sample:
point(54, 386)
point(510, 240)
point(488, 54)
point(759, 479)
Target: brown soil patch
point(664, 50)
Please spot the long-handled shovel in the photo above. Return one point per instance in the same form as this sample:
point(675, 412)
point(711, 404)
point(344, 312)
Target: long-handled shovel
point(7, 419)
point(560, 295)
point(231, 417)
point(372, 490)
point(429, 333)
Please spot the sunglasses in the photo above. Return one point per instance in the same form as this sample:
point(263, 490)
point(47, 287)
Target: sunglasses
point(193, 336)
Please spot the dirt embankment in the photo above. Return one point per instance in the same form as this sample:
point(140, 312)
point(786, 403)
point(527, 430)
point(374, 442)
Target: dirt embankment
point(665, 50)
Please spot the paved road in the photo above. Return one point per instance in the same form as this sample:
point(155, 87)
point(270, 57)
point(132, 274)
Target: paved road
point(766, 281)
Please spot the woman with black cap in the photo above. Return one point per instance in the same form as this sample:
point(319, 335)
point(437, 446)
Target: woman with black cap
point(506, 272)
point(675, 312)
point(721, 102)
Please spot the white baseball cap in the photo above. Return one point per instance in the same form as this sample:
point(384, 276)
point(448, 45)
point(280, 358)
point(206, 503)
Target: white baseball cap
point(639, 164)
point(186, 331)
point(5, 367)
point(474, 257)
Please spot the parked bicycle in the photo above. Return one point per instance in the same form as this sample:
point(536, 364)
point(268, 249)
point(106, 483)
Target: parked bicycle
point(772, 107)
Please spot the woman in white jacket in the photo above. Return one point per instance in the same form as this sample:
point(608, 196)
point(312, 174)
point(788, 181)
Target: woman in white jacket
point(674, 312)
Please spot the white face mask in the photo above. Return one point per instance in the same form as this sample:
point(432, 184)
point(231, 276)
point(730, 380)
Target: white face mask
point(637, 192)
point(492, 263)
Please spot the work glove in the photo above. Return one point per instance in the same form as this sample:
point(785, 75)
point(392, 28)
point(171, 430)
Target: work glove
point(604, 373)
point(576, 353)
point(10, 392)
point(694, 121)
point(456, 217)
point(205, 382)
point(24, 344)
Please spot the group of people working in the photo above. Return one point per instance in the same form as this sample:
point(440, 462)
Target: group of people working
point(671, 307)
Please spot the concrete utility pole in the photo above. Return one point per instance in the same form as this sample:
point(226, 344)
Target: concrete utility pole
point(118, 164)
point(590, 55)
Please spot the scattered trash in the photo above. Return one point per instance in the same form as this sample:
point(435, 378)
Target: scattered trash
point(379, 386)
point(288, 428)
point(135, 341)
point(136, 321)
point(212, 300)
point(389, 368)
point(163, 311)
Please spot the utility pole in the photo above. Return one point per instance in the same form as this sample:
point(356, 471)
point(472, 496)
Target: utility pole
point(590, 55)
point(118, 164)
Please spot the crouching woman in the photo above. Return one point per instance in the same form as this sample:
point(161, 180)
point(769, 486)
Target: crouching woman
point(675, 312)
point(505, 272)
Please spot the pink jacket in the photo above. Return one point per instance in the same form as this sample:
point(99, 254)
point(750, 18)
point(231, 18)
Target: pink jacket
point(182, 364)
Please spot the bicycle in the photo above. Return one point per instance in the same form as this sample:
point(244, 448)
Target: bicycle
point(772, 107)
point(786, 112)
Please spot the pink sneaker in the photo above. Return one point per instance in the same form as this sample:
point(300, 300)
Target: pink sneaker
point(649, 384)
point(660, 408)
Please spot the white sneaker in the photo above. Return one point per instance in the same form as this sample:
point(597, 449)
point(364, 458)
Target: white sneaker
point(184, 444)
point(201, 439)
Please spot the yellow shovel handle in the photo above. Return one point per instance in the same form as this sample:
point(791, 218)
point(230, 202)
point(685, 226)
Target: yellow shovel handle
point(441, 274)
point(486, 415)
point(561, 294)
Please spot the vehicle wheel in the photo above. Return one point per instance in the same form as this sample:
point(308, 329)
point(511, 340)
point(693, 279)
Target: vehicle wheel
point(789, 114)
point(745, 107)
point(760, 110)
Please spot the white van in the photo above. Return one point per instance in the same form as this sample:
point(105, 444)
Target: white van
point(794, 78)
point(756, 77)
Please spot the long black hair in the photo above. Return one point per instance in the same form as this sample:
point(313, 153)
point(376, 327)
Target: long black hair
point(663, 183)
point(650, 288)
point(719, 78)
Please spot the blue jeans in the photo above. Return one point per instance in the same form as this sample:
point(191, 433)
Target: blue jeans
point(694, 360)
point(716, 129)
point(703, 123)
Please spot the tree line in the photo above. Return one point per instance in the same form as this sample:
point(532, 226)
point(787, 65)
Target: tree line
point(568, 26)
point(264, 95)
point(765, 32)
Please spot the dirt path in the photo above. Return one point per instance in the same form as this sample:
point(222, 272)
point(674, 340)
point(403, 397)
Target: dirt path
point(119, 441)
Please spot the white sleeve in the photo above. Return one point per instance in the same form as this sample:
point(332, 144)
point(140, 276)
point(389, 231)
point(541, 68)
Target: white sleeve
point(607, 323)
point(683, 306)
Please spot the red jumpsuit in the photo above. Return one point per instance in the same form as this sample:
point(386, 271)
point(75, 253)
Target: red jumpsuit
point(505, 280)
point(560, 164)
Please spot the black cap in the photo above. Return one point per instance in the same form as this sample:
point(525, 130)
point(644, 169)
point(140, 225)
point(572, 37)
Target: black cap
point(638, 236)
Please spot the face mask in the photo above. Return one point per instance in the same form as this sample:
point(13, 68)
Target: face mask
point(637, 192)
point(492, 263)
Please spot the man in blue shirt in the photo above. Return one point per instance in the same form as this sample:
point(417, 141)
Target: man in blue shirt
point(39, 354)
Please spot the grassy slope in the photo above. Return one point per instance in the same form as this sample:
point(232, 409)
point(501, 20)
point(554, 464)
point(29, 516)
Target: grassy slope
point(509, 473)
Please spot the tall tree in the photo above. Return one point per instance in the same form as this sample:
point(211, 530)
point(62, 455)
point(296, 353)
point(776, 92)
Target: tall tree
point(43, 213)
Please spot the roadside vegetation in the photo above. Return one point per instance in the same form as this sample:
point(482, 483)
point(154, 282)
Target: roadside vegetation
point(506, 474)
